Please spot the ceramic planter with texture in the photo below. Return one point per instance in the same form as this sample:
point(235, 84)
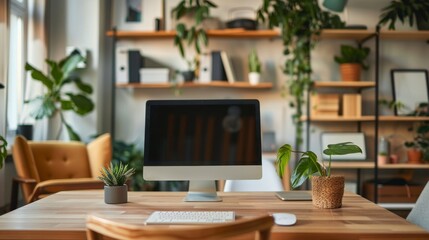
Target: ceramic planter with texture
point(115, 194)
point(350, 71)
point(327, 191)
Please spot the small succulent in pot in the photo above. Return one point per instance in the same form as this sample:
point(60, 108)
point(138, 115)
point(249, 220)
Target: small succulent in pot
point(114, 178)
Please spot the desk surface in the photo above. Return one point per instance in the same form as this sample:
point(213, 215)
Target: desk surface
point(62, 215)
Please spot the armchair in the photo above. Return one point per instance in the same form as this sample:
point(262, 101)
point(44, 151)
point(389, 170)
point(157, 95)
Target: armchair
point(48, 167)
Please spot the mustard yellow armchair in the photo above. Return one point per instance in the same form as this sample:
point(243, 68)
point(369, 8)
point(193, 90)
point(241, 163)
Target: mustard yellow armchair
point(47, 167)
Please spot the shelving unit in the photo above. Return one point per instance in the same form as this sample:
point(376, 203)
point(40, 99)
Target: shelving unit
point(361, 36)
point(223, 33)
point(213, 84)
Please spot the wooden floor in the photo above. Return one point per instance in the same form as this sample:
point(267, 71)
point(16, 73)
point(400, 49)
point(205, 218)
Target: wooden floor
point(62, 216)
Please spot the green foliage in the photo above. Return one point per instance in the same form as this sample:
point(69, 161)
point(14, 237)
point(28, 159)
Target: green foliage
point(56, 99)
point(350, 54)
point(413, 10)
point(308, 164)
point(115, 175)
point(194, 35)
point(129, 154)
point(254, 63)
point(421, 134)
point(298, 21)
point(3, 150)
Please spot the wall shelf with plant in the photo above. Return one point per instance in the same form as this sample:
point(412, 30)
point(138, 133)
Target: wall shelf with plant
point(215, 84)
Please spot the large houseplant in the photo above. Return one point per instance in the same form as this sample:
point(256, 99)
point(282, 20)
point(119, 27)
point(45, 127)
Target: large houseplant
point(352, 60)
point(403, 10)
point(194, 34)
point(115, 178)
point(327, 189)
point(299, 21)
point(57, 97)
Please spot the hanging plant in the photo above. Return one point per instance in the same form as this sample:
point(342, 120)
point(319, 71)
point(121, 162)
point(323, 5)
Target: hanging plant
point(299, 21)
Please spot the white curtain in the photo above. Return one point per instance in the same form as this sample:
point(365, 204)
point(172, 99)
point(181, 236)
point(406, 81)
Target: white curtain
point(3, 63)
point(36, 54)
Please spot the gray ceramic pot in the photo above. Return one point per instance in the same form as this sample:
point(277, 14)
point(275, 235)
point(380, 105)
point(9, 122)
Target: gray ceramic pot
point(115, 194)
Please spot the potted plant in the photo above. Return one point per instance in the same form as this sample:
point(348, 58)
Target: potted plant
point(327, 190)
point(57, 100)
point(254, 68)
point(418, 148)
point(411, 10)
point(299, 21)
point(114, 178)
point(351, 61)
point(194, 34)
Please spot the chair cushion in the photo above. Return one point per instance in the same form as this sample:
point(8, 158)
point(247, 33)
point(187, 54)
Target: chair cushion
point(99, 153)
point(60, 160)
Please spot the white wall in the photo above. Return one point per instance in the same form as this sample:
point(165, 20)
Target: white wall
point(78, 23)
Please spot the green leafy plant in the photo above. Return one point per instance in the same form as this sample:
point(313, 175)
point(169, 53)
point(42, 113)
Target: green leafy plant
point(411, 10)
point(56, 98)
point(299, 21)
point(129, 154)
point(194, 35)
point(3, 150)
point(254, 63)
point(421, 135)
point(308, 164)
point(116, 174)
point(350, 54)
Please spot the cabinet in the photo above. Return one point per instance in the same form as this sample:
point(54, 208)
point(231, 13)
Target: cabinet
point(376, 119)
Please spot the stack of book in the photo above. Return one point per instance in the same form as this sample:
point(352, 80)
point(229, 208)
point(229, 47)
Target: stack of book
point(216, 66)
point(352, 105)
point(325, 105)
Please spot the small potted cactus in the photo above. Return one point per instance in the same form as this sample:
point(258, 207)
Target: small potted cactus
point(115, 178)
point(254, 68)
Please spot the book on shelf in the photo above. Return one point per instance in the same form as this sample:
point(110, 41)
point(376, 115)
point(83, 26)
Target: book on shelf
point(218, 70)
point(352, 105)
point(226, 61)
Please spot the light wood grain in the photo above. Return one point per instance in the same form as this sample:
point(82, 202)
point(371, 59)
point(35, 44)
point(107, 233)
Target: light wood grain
point(343, 84)
point(62, 215)
point(218, 84)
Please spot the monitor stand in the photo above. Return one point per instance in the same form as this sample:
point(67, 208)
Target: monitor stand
point(202, 191)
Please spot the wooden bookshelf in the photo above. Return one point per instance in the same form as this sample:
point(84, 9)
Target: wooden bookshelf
point(342, 84)
point(219, 84)
point(352, 165)
point(221, 33)
point(339, 119)
point(345, 34)
point(402, 119)
point(404, 35)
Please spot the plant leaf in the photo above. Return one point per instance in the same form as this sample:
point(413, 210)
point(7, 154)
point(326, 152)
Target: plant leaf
point(72, 134)
point(342, 149)
point(81, 104)
point(283, 158)
point(86, 88)
point(39, 76)
point(42, 106)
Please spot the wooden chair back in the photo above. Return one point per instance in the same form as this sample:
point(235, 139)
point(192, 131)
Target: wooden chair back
point(99, 228)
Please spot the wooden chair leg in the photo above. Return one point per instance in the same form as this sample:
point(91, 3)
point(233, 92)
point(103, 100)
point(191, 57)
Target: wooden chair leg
point(14, 194)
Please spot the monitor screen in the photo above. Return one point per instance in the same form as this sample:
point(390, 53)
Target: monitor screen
point(202, 140)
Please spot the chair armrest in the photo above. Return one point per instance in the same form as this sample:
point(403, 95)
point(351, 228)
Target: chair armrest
point(57, 185)
point(16, 181)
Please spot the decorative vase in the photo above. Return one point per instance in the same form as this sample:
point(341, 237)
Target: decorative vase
point(327, 191)
point(382, 159)
point(116, 194)
point(414, 156)
point(254, 78)
point(350, 71)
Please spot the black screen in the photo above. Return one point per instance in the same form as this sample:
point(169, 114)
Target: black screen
point(202, 133)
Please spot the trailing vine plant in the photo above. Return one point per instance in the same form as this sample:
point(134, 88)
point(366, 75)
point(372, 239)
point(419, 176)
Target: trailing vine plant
point(299, 21)
point(194, 35)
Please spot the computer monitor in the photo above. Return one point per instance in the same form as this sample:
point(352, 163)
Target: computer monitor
point(202, 141)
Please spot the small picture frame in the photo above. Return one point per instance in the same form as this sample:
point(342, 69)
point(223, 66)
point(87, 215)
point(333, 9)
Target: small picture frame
point(410, 87)
point(357, 138)
point(137, 15)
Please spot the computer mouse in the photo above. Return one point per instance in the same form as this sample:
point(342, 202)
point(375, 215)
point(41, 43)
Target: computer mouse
point(284, 219)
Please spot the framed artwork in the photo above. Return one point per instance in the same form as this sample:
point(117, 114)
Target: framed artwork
point(137, 15)
point(357, 138)
point(409, 88)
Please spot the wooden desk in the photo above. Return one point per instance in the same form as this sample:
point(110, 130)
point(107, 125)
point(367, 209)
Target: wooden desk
point(62, 215)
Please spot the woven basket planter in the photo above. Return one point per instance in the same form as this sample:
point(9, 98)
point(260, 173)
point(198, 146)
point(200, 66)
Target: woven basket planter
point(350, 71)
point(327, 191)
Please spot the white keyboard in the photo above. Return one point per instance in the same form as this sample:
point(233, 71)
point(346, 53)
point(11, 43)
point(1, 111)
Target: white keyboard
point(190, 217)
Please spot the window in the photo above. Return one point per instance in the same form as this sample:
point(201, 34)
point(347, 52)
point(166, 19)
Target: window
point(16, 63)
